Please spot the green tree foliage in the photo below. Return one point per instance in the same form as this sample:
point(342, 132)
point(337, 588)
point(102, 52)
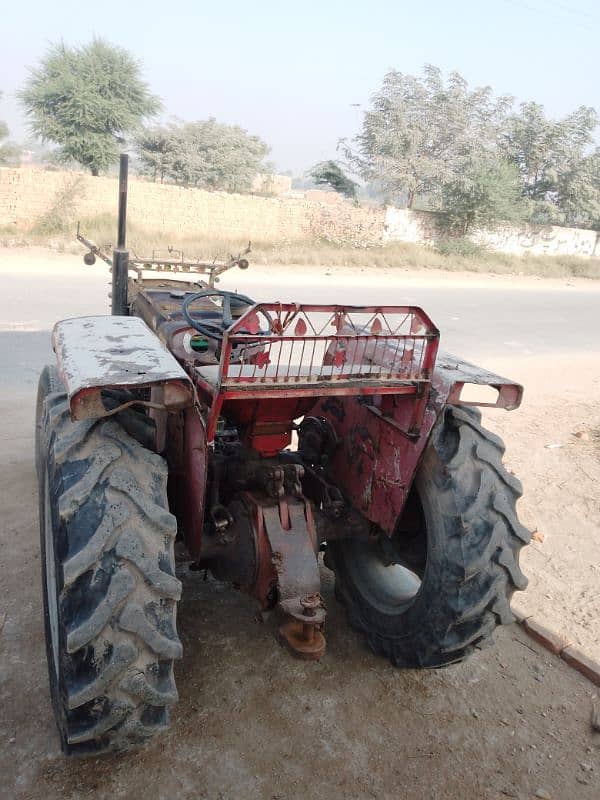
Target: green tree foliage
point(446, 145)
point(579, 193)
point(9, 152)
point(420, 132)
point(206, 153)
point(156, 147)
point(87, 100)
point(558, 172)
point(488, 191)
point(329, 173)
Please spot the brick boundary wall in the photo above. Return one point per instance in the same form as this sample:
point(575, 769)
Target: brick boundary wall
point(29, 193)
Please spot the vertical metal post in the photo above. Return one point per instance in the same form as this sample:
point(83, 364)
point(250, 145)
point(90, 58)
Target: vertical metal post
point(120, 261)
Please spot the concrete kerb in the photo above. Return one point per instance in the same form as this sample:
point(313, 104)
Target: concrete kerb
point(559, 645)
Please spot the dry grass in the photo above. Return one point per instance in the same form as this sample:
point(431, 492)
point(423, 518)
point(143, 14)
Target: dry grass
point(101, 230)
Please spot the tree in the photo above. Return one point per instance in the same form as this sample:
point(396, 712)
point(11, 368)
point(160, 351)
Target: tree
point(9, 152)
point(87, 100)
point(156, 147)
point(558, 173)
point(329, 173)
point(578, 194)
point(420, 132)
point(206, 153)
point(487, 192)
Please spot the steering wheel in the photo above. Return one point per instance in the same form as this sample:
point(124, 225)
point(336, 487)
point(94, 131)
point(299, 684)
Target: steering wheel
point(217, 328)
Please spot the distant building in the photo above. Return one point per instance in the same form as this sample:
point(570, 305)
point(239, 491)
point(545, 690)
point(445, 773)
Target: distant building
point(271, 184)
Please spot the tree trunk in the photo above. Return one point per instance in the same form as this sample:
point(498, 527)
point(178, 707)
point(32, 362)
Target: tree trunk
point(95, 172)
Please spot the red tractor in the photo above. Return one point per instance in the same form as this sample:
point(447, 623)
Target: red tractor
point(260, 435)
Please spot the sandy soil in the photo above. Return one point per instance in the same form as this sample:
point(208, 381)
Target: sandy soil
point(251, 722)
point(561, 481)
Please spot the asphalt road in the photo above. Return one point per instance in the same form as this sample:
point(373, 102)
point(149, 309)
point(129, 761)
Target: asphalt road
point(511, 722)
point(476, 322)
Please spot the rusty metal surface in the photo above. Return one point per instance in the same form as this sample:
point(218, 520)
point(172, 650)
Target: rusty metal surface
point(286, 551)
point(375, 462)
point(371, 343)
point(95, 353)
point(304, 641)
point(265, 581)
point(291, 534)
point(173, 260)
point(452, 373)
point(193, 480)
point(308, 351)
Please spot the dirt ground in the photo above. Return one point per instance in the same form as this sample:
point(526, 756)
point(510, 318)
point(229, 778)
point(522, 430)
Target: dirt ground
point(511, 722)
point(553, 445)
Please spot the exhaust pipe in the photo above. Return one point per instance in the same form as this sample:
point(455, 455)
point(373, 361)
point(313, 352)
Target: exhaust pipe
point(120, 261)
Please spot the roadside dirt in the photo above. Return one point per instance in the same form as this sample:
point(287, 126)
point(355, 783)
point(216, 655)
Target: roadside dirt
point(553, 445)
point(41, 260)
point(512, 722)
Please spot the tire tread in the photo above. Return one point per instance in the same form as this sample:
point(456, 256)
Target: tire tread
point(96, 468)
point(480, 569)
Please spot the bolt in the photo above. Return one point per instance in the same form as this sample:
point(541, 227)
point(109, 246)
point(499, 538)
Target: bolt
point(310, 603)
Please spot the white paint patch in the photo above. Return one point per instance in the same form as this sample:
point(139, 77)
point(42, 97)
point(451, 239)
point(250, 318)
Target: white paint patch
point(111, 351)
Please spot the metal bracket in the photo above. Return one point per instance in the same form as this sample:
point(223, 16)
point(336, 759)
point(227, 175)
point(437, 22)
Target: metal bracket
point(290, 530)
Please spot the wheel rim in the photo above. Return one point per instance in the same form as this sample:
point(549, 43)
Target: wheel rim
point(391, 587)
point(50, 568)
point(389, 573)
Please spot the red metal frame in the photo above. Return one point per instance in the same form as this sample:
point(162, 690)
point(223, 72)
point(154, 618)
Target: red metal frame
point(375, 374)
point(376, 462)
point(195, 458)
point(312, 351)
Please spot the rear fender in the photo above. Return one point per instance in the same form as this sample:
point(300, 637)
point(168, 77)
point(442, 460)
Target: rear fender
point(376, 461)
point(109, 352)
point(453, 378)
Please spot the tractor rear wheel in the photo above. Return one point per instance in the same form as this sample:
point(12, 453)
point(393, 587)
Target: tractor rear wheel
point(438, 588)
point(109, 584)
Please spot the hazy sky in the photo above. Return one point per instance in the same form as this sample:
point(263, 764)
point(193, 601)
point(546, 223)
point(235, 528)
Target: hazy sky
point(291, 72)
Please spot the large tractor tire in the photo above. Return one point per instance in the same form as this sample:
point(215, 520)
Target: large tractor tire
point(437, 589)
point(108, 573)
point(49, 383)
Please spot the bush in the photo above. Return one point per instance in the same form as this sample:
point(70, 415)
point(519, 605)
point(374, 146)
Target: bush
point(462, 247)
point(60, 217)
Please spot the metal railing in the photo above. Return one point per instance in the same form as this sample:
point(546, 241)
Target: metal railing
point(286, 344)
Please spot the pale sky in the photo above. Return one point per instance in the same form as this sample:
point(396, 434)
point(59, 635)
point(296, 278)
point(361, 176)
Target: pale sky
point(291, 71)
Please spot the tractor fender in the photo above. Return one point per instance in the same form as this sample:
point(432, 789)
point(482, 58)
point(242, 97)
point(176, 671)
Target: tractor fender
point(110, 352)
point(376, 459)
point(453, 377)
